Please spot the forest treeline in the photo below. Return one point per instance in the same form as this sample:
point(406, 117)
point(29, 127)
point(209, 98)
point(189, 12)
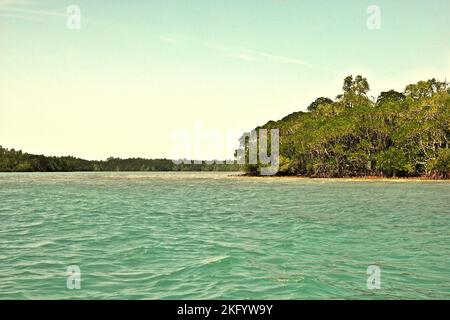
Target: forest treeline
point(17, 161)
point(397, 134)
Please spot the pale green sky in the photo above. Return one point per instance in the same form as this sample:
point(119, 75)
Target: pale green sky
point(138, 73)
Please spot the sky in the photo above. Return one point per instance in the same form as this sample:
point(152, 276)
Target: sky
point(184, 79)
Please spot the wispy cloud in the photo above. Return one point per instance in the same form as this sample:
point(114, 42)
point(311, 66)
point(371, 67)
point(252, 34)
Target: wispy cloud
point(252, 55)
point(32, 12)
point(27, 10)
point(262, 56)
point(22, 17)
point(170, 40)
point(243, 54)
point(5, 3)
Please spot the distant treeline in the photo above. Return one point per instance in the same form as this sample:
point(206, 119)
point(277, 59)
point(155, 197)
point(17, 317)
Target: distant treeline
point(397, 134)
point(18, 161)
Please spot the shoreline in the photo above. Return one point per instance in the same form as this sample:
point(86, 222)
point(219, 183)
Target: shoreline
point(361, 178)
point(240, 174)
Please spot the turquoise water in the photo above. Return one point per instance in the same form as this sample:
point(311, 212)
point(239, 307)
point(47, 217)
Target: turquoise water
point(211, 236)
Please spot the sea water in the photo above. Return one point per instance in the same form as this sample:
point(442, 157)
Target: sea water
point(220, 236)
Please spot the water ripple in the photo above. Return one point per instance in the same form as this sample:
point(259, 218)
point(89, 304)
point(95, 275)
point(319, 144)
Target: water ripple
point(215, 236)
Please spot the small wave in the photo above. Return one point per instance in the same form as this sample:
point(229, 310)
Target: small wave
point(211, 260)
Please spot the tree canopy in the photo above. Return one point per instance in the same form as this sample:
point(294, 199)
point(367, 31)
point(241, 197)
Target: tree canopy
point(18, 161)
point(399, 134)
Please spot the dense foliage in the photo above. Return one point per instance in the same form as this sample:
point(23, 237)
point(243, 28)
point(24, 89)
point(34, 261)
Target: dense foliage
point(18, 161)
point(398, 134)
